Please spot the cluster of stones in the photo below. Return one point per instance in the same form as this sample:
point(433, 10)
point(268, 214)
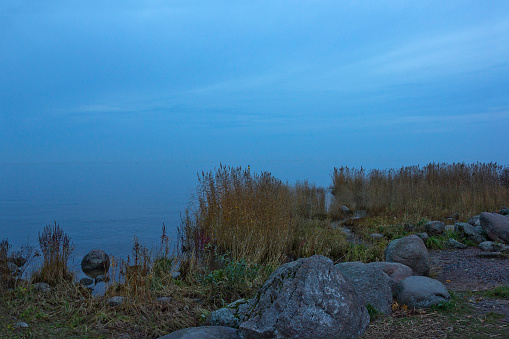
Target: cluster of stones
point(489, 231)
point(313, 298)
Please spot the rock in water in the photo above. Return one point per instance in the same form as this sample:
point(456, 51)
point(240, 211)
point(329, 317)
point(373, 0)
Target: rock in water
point(86, 281)
point(496, 226)
point(307, 298)
point(95, 263)
point(409, 251)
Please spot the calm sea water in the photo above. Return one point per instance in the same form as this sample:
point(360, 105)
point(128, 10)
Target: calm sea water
point(99, 205)
point(105, 205)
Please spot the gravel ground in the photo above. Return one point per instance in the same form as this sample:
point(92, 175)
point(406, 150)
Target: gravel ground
point(464, 270)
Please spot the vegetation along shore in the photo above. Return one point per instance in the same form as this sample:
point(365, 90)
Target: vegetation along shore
point(247, 237)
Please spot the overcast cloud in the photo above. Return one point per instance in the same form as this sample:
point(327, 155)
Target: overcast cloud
point(226, 81)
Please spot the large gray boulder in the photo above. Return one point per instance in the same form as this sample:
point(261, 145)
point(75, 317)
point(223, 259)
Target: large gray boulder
point(307, 298)
point(434, 227)
point(394, 271)
point(473, 233)
point(204, 332)
point(371, 284)
point(409, 251)
point(496, 226)
point(233, 314)
point(421, 292)
point(95, 263)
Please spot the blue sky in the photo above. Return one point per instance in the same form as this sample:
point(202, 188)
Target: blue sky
point(347, 82)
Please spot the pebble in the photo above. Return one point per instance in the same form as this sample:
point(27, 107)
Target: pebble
point(115, 301)
point(21, 324)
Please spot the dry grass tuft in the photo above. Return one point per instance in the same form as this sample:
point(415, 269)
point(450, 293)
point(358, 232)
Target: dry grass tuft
point(56, 249)
point(256, 217)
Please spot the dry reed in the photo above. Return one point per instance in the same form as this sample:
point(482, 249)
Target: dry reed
point(254, 216)
point(435, 190)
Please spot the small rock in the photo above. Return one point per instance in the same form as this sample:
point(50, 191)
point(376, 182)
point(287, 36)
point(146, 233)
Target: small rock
point(203, 332)
point(455, 216)
point(233, 314)
point(434, 227)
point(21, 325)
point(345, 209)
point(42, 287)
point(456, 244)
point(475, 220)
point(504, 211)
point(424, 236)
point(175, 275)
point(86, 281)
point(488, 246)
point(115, 301)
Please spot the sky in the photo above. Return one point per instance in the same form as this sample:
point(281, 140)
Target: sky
point(371, 83)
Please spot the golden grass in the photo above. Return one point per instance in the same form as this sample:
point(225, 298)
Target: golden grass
point(256, 217)
point(434, 191)
point(56, 248)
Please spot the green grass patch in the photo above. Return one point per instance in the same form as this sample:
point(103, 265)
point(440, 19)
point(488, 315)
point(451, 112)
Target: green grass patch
point(498, 292)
